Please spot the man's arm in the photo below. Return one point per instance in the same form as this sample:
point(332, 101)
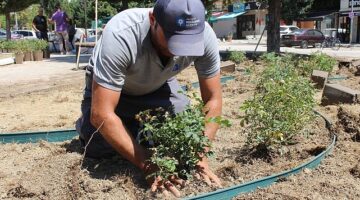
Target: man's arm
point(211, 94)
point(33, 25)
point(104, 102)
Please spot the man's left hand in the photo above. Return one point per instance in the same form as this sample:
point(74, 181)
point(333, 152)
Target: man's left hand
point(204, 172)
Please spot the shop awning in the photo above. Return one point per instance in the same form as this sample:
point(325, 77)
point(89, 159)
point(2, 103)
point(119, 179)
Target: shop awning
point(225, 16)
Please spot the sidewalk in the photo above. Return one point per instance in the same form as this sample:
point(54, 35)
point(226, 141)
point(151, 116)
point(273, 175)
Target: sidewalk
point(352, 52)
point(264, 39)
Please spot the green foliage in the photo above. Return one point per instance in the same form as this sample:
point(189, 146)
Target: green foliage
point(15, 5)
point(7, 44)
point(28, 45)
point(274, 63)
point(179, 139)
point(281, 106)
point(237, 56)
point(81, 9)
point(317, 61)
point(25, 17)
point(39, 45)
point(17, 46)
point(292, 10)
point(301, 65)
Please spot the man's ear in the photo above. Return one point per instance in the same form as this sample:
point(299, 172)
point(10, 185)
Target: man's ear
point(152, 18)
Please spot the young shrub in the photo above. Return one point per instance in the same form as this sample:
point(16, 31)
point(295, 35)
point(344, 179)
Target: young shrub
point(237, 57)
point(19, 46)
point(40, 45)
point(179, 140)
point(281, 106)
point(279, 68)
point(317, 61)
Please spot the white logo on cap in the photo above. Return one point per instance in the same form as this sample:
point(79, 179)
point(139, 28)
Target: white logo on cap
point(180, 22)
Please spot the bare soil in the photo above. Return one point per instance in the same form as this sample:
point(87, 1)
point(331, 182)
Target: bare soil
point(52, 170)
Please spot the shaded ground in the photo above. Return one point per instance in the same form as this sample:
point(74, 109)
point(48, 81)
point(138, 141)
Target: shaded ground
point(51, 171)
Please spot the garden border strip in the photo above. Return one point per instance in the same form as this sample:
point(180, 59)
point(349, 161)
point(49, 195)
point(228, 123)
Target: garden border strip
point(223, 80)
point(33, 137)
point(229, 193)
point(337, 77)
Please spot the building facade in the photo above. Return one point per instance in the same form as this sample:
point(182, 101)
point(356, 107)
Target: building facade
point(345, 15)
point(240, 20)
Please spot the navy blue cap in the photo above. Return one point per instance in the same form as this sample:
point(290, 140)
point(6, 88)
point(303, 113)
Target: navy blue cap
point(183, 23)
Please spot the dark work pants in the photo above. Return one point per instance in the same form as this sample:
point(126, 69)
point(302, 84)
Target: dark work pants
point(166, 96)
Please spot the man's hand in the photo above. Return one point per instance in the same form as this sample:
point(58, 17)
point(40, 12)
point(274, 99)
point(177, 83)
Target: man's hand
point(163, 186)
point(204, 172)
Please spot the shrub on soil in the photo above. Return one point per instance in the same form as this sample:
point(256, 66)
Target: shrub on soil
point(317, 61)
point(282, 105)
point(179, 140)
point(237, 56)
point(304, 66)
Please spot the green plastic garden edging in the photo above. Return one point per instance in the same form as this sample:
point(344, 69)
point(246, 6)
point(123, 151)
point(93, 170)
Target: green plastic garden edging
point(33, 137)
point(227, 193)
point(223, 80)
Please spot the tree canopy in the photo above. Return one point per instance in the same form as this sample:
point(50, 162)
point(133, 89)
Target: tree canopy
point(7, 6)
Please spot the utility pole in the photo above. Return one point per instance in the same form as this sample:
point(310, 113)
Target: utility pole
point(351, 15)
point(16, 27)
point(96, 20)
point(85, 2)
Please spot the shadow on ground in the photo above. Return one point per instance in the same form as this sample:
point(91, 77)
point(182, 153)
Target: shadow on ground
point(84, 59)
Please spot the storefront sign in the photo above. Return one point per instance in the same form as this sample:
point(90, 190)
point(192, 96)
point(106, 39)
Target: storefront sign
point(355, 2)
point(255, 6)
point(238, 7)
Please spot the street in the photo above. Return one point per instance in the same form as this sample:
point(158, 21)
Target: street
point(244, 45)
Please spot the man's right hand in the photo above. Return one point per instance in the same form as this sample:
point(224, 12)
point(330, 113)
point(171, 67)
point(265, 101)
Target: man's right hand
point(164, 186)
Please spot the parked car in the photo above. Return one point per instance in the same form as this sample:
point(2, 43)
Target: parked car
point(28, 34)
point(287, 29)
point(13, 36)
point(303, 38)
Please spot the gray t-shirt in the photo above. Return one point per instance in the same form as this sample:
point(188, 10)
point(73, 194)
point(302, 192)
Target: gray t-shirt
point(125, 60)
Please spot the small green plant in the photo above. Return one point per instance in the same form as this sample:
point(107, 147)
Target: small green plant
point(8, 45)
point(18, 46)
point(40, 45)
point(317, 61)
point(237, 56)
point(179, 140)
point(28, 45)
point(270, 58)
point(281, 106)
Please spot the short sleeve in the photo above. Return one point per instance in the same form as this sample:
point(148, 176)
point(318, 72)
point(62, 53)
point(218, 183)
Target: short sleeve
point(52, 17)
point(208, 65)
point(110, 60)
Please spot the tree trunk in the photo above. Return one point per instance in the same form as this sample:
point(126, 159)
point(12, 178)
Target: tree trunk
point(273, 26)
point(125, 5)
point(8, 32)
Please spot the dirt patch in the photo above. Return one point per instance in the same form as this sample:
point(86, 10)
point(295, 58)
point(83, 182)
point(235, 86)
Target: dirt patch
point(355, 171)
point(349, 122)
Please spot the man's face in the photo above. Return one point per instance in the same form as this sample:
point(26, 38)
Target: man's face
point(158, 38)
point(41, 12)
